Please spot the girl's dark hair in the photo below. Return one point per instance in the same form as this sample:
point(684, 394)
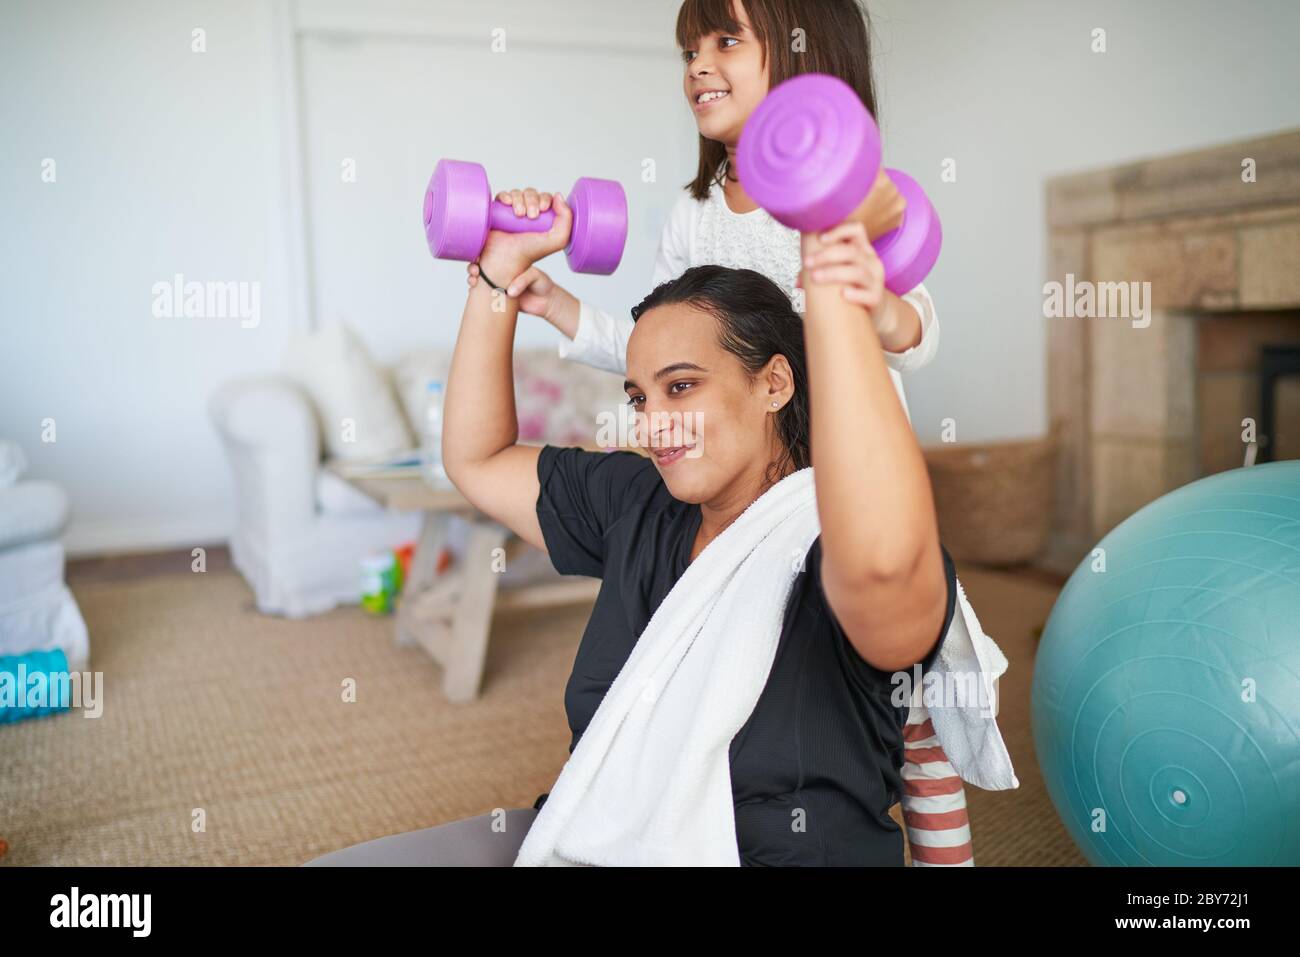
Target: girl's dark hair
point(836, 38)
point(755, 322)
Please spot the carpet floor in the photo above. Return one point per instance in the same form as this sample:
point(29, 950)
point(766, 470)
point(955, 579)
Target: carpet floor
point(225, 737)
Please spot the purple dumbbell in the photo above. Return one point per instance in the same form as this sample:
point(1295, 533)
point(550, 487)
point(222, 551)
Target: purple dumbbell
point(809, 155)
point(459, 211)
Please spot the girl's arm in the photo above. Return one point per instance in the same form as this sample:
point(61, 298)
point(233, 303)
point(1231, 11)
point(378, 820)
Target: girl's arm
point(882, 569)
point(906, 325)
point(917, 350)
point(898, 320)
point(480, 449)
point(898, 324)
point(599, 339)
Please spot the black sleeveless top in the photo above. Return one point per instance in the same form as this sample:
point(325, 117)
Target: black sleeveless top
point(817, 766)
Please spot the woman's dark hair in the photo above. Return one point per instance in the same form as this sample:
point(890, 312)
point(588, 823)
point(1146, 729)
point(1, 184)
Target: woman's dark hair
point(836, 39)
point(755, 322)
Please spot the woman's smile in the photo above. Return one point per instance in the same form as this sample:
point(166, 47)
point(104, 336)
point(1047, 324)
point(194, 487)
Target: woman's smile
point(666, 457)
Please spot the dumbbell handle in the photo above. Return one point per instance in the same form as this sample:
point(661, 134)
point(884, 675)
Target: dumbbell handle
point(502, 216)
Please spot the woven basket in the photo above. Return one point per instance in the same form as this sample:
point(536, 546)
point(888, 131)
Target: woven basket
point(994, 501)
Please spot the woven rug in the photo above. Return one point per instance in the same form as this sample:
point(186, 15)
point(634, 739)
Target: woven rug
point(218, 715)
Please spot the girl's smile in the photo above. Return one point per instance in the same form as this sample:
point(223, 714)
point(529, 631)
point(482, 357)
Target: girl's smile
point(706, 98)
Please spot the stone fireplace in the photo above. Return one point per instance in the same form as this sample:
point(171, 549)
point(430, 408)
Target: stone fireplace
point(1145, 400)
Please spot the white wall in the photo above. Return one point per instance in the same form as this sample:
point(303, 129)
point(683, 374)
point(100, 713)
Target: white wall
point(1012, 91)
point(170, 161)
point(166, 161)
point(580, 88)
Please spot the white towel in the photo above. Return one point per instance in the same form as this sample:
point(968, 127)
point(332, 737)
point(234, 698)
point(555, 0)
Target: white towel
point(649, 782)
point(967, 728)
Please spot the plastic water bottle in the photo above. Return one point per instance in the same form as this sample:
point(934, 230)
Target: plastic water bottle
point(433, 470)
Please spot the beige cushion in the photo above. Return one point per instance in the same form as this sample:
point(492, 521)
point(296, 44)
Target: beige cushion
point(353, 397)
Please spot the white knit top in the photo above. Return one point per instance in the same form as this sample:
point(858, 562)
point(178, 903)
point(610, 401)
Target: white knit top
point(710, 233)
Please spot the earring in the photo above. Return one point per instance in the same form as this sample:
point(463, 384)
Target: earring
point(775, 404)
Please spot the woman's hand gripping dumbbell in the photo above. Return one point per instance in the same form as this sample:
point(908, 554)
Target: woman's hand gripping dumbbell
point(538, 294)
point(459, 211)
point(809, 155)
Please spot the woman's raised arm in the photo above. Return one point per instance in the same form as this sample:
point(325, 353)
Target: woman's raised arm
point(882, 569)
point(480, 449)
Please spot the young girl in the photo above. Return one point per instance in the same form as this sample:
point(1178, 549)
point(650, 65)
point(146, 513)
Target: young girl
point(730, 64)
point(734, 53)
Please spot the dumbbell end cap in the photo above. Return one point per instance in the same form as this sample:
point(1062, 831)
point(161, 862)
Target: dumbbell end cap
point(810, 152)
point(599, 232)
point(456, 210)
point(909, 252)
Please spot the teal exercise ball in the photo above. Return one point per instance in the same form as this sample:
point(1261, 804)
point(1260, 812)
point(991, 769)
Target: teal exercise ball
point(1166, 695)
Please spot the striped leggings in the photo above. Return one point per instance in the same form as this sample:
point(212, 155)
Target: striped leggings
point(934, 802)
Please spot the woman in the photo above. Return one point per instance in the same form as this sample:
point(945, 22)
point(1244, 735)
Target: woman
point(733, 392)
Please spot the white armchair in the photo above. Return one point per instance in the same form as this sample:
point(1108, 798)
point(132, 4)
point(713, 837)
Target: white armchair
point(300, 531)
point(37, 611)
